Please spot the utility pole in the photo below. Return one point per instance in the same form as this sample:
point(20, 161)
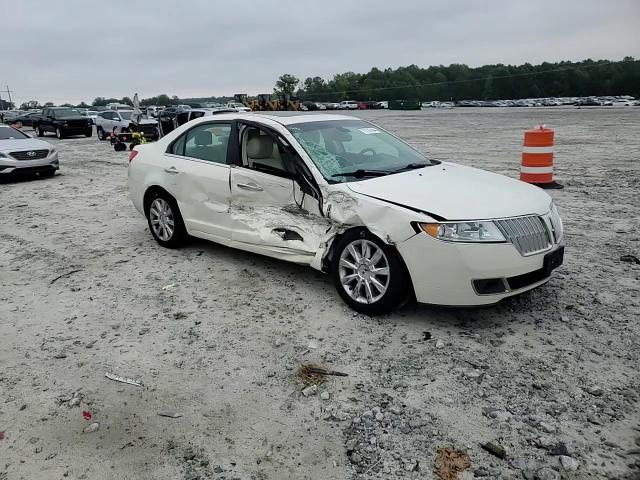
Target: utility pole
point(8, 92)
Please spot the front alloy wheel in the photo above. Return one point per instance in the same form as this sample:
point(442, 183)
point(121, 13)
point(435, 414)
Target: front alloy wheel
point(369, 274)
point(364, 271)
point(59, 133)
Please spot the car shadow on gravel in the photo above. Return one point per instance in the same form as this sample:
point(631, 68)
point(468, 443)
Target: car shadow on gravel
point(22, 178)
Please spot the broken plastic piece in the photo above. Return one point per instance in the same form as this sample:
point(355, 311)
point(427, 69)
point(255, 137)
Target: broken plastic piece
point(1, 435)
point(170, 414)
point(92, 427)
point(322, 371)
point(170, 286)
point(86, 415)
point(118, 378)
point(495, 449)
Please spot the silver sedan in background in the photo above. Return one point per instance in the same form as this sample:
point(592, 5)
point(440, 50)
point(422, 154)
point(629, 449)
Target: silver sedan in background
point(19, 153)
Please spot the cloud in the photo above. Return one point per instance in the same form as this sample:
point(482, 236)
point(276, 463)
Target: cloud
point(76, 50)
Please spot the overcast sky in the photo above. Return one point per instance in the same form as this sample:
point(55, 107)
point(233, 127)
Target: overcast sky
point(75, 50)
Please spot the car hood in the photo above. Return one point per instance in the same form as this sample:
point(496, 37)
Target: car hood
point(24, 144)
point(147, 121)
point(456, 192)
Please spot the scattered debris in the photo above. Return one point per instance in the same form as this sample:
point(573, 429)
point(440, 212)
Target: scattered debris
point(449, 463)
point(439, 344)
point(322, 371)
point(64, 275)
point(309, 377)
point(118, 378)
point(426, 336)
point(170, 286)
point(630, 259)
point(86, 415)
point(75, 400)
point(310, 390)
point(495, 449)
point(170, 414)
point(92, 427)
point(2, 436)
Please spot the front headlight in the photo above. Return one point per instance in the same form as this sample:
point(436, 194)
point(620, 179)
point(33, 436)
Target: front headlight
point(469, 231)
point(556, 222)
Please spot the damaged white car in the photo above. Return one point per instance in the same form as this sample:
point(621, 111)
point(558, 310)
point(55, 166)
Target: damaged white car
point(346, 197)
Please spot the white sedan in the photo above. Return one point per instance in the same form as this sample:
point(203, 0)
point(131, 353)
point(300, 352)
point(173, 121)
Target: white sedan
point(346, 197)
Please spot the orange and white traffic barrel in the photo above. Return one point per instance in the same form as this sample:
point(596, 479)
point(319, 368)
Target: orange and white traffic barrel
point(537, 158)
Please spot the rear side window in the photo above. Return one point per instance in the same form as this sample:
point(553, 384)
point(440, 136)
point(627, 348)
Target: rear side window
point(208, 142)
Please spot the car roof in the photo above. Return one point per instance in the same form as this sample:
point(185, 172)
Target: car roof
point(290, 118)
point(283, 118)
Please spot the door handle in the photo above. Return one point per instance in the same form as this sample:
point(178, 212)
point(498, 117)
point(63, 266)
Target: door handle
point(249, 186)
point(171, 170)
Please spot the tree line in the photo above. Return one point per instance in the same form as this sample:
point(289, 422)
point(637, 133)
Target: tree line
point(489, 82)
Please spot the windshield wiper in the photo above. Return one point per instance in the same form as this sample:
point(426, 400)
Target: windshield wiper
point(362, 173)
point(412, 166)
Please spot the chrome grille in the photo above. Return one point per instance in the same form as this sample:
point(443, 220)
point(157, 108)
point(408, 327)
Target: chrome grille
point(528, 234)
point(30, 154)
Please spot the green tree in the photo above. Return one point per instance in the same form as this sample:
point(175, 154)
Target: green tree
point(286, 84)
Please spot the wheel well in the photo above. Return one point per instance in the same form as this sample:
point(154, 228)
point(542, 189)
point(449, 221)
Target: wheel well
point(150, 194)
point(329, 255)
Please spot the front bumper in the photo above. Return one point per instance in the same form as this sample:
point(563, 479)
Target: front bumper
point(10, 165)
point(443, 273)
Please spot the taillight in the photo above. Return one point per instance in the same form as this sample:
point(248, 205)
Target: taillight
point(132, 155)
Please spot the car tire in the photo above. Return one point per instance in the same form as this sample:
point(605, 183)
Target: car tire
point(100, 133)
point(161, 209)
point(370, 275)
point(59, 133)
point(39, 131)
point(88, 133)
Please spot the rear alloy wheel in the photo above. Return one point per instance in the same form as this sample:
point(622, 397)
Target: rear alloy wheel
point(59, 133)
point(165, 221)
point(101, 135)
point(369, 274)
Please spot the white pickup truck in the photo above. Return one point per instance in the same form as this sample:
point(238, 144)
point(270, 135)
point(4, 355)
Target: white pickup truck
point(120, 121)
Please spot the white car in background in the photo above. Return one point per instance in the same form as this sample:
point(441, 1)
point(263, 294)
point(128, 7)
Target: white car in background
point(347, 105)
point(120, 121)
point(19, 153)
point(238, 107)
point(346, 197)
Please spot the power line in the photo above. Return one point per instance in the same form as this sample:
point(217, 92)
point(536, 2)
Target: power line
point(468, 80)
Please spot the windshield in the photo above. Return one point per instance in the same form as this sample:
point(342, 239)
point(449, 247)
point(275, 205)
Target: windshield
point(8, 133)
point(67, 112)
point(342, 148)
point(125, 115)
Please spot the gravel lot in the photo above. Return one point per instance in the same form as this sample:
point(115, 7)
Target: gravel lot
point(216, 335)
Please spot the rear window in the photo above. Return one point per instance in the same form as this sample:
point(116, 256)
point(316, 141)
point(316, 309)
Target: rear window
point(9, 133)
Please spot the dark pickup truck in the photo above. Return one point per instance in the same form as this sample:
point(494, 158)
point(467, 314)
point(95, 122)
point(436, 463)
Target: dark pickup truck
point(63, 121)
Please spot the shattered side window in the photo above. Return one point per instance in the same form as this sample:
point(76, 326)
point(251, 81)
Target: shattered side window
point(326, 162)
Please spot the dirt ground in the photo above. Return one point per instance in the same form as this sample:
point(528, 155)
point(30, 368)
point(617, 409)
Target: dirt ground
point(216, 335)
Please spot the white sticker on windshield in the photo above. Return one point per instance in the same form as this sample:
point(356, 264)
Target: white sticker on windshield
point(369, 131)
